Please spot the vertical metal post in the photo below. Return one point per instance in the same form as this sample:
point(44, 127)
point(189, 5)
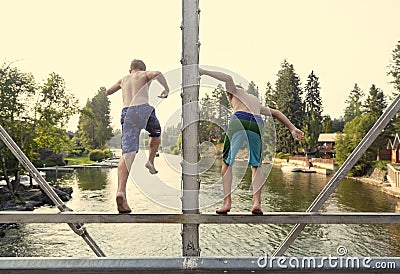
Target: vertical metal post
point(190, 127)
point(333, 183)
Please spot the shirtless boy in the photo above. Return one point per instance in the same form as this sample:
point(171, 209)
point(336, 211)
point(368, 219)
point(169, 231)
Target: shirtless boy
point(136, 115)
point(245, 124)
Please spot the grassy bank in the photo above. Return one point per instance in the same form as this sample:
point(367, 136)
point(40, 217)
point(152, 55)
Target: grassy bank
point(78, 160)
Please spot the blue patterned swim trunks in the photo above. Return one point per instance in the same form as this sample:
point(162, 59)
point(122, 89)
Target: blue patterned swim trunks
point(133, 120)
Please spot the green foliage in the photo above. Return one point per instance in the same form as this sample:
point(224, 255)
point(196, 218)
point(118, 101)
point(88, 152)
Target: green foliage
point(382, 165)
point(107, 153)
point(375, 103)
point(282, 155)
point(327, 124)
point(253, 89)
point(96, 155)
point(94, 128)
point(394, 68)
point(338, 125)
point(289, 102)
point(214, 116)
point(354, 131)
point(270, 96)
point(354, 104)
point(81, 160)
point(394, 72)
point(34, 115)
point(312, 126)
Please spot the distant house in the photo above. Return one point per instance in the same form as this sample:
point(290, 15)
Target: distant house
point(394, 146)
point(326, 145)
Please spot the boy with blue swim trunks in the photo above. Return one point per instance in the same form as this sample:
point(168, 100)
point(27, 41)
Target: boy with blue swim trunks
point(246, 124)
point(136, 115)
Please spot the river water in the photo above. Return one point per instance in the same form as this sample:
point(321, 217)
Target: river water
point(94, 191)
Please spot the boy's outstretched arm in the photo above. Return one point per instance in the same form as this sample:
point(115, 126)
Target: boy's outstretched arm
point(296, 133)
point(229, 84)
point(114, 88)
point(151, 75)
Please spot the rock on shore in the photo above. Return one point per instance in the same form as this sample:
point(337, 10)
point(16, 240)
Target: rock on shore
point(27, 199)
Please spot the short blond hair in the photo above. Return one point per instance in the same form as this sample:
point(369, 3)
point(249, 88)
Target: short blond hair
point(138, 64)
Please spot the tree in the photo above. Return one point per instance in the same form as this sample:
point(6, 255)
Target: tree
point(332, 126)
point(270, 96)
point(354, 105)
point(214, 116)
point(374, 105)
point(34, 116)
point(394, 68)
point(54, 108)
point(94, 128)
point(100, 105)
point(16, 88)
point(327, 124)
point(269, 134)
point(338, 124)
point(313, 112)
point(394, 72)
point(86, 127)
point(354, 131)
point(289, 102)
point(253, 89)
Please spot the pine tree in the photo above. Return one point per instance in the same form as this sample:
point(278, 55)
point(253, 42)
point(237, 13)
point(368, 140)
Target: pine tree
point(394, 69)
point(375, 103)
point(313, 112)
point(253, 89)
point(394, 72)
point(100, 105)
point(354, 104)
point(289, 102)
point(270, 96)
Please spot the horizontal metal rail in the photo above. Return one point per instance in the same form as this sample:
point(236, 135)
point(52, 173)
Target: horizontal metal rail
point(268, 218)
point(202, 265)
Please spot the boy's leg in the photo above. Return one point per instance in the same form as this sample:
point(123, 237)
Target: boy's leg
point(124, 166)
point(226, 173)
point(255, 152)
point(154, 143)
point(226, 170)
point(257, 181)
point(154, 128)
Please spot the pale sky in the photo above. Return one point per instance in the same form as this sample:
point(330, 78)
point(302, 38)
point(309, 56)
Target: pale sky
point(91, 43)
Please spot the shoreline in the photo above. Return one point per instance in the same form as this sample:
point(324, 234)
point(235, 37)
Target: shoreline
point(384, 186)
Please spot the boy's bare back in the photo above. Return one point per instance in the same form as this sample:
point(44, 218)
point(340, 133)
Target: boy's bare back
point(135, 88)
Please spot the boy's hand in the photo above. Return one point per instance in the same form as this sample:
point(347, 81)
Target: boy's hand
point(201, 71)
point(297, 134)
point(163, 94)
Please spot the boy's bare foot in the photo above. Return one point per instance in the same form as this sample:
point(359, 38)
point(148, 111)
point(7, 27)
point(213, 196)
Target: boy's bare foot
point(122, 204)
point(151, 168)
point(257, 211)
point(223, 210)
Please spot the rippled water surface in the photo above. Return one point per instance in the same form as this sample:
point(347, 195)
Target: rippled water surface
point(94, 190)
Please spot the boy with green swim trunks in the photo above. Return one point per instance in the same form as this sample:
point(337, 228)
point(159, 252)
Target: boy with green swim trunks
point(245, 124)
point(136, 115)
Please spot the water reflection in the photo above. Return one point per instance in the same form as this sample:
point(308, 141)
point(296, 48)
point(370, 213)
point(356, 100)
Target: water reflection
point(92, 178)
point(94, 190)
